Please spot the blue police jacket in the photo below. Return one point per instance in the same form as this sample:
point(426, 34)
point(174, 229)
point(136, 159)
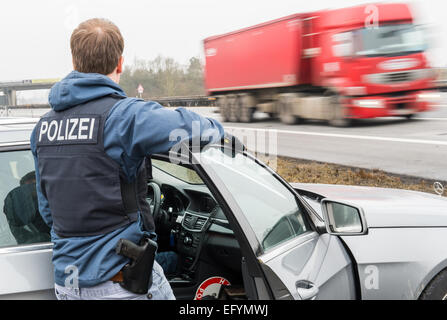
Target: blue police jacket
point(133, 130)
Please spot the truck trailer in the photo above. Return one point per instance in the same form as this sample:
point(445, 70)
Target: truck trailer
point(335, 65)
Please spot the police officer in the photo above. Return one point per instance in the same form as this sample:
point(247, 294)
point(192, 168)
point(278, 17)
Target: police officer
point(89, 155)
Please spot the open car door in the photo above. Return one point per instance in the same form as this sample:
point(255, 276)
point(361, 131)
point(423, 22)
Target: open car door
point(276, 230)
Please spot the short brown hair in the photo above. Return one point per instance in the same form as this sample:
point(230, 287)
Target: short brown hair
point(96, 46)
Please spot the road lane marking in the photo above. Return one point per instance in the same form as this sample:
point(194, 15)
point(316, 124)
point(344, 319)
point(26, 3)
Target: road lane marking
point(347, 136)
point(432, 119)
point(416, 118)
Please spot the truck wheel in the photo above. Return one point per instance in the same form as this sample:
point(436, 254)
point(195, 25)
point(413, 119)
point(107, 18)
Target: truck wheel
point(245, 108)
point(232, 108)
point(224, 108)
point(245, 114)
point(338, 114)
point(286, 110)
point(437, 288)
point(286, 116)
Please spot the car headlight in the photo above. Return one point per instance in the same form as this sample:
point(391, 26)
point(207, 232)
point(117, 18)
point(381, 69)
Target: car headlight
point(369, 103)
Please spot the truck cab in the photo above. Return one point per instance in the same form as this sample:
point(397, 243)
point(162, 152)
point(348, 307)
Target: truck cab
point(335, 65)
point(374, 57)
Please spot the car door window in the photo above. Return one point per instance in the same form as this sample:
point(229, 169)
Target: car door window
point(20, 220)
point(270, 207)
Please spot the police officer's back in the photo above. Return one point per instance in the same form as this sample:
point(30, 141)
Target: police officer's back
point(89, 152)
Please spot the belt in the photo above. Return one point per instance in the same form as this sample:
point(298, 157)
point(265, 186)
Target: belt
point(118, 277)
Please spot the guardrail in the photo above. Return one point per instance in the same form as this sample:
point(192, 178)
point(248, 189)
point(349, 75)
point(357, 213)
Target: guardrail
point(26, 106)
point(37, 110)
point(190, 101)
point(32, 111)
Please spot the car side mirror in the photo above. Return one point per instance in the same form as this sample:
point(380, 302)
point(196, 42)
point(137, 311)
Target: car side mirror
point(343, 219)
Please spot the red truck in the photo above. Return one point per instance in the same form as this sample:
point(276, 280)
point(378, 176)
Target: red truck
point(335, 65)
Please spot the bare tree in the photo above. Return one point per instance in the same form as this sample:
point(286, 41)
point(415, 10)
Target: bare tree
point(163, 77)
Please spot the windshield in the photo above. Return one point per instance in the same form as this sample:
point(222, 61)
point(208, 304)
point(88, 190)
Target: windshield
point(389, 40)
point(269, 206)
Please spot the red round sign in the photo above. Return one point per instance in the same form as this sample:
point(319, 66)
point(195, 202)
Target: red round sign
point(210, 287)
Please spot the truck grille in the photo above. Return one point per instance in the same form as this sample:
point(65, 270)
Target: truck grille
point(397, 77)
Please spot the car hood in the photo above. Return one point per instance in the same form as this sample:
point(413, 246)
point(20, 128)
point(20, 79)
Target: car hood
point(385, 207)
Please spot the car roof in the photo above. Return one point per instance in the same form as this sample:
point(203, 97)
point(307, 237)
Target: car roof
point(14, 130)
point(6, 122)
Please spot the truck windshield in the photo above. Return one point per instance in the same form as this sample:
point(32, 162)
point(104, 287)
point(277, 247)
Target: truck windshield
point(389, 40)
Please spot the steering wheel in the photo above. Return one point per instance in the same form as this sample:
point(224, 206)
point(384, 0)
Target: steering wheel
point(155, 203)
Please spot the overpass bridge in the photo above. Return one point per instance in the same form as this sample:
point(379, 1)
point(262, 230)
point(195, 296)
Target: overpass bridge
point(8, 89)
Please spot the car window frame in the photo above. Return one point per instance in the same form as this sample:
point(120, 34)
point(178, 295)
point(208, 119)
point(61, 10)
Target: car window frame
point(314, 221)
point(176, 177)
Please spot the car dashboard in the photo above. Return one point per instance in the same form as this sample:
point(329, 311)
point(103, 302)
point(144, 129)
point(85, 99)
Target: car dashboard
point(193, 212)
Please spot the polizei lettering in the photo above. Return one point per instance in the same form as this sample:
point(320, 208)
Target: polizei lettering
point(73, 130)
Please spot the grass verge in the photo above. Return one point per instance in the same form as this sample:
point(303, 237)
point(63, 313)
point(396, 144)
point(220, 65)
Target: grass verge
point(306, 171)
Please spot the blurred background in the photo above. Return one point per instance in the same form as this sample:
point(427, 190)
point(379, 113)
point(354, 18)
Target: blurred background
point(166, 34)
point(165, 57)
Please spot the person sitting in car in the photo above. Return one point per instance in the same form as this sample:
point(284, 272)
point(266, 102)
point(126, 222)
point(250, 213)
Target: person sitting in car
point(22, 213)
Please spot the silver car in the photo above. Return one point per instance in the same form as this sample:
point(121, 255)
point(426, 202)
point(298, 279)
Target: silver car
point(241, 232)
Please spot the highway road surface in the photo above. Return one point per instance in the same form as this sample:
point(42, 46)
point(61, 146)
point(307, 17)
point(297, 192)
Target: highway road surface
point(417, 147)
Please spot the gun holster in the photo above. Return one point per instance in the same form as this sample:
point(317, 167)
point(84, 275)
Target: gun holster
point(137, 275)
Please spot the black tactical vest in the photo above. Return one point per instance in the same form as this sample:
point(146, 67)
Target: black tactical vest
point(87, 192)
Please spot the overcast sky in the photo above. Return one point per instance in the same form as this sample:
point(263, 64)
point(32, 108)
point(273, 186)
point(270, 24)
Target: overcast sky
point(35, 33)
